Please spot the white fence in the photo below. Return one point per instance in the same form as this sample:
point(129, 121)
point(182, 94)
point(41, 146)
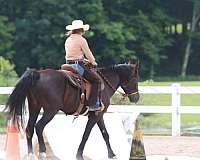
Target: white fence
point(175, 109)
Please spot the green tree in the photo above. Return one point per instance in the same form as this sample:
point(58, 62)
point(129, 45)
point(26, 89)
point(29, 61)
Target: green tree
point(185, 21)
point(108, 38)
point(40, 28)
point(7, 72)
point(120, 30)
point(192, 34)
point(148, 18)
point(150, 42)
point(6, 37)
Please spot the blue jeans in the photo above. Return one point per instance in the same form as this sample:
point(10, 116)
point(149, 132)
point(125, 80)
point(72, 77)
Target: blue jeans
point(78, 68)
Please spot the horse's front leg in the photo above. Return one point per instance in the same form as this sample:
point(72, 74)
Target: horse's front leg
point(92, 120)
point(105, 135)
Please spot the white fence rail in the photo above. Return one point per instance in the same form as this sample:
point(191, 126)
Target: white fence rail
point(175, 109)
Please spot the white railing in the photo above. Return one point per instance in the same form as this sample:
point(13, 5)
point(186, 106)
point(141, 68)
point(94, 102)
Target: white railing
point(175, 109)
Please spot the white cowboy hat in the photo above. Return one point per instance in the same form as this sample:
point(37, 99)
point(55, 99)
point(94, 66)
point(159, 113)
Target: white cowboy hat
point(77, 24)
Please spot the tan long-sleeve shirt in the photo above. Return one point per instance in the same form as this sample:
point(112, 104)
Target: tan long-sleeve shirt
point(76, 48)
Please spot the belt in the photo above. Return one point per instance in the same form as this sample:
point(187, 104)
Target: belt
point(74, 61)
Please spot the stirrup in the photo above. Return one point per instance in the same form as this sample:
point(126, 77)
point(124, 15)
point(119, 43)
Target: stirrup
point(94, 109)
point(99, 109)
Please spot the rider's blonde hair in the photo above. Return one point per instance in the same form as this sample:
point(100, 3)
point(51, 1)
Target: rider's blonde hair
point(75, 31)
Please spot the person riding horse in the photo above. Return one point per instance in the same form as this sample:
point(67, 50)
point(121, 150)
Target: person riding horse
point(52, 91)
point(77, 51)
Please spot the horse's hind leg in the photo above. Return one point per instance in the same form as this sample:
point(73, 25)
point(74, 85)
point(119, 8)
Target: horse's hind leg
point(47, 117)
point(105, 135)
point(33, 114)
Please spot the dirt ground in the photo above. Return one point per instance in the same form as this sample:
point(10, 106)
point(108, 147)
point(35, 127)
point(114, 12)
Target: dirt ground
point(172, 146)
point(154, 145)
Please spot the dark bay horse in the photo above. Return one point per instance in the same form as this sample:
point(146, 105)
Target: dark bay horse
point(49, 89)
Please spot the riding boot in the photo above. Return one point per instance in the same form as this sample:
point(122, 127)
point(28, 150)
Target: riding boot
point(94, 98)
point(96, 106)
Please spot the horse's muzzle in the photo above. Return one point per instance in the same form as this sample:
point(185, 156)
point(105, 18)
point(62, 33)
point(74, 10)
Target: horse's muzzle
point(134, 98)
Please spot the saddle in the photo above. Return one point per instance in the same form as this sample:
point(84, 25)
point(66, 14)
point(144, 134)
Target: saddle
point(78, 81)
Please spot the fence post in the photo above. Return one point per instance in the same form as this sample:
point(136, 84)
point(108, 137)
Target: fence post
point(176, 117)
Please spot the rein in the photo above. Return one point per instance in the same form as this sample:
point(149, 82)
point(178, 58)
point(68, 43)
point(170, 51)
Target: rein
point(124, 95)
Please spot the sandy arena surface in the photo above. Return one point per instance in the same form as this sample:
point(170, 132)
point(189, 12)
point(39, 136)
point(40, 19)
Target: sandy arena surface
point(154, 145)
point(173, 146)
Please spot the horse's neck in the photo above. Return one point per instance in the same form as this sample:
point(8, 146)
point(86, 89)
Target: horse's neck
point(114, 80)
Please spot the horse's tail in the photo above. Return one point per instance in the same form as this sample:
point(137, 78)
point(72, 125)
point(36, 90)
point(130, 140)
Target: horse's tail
point(16, 101)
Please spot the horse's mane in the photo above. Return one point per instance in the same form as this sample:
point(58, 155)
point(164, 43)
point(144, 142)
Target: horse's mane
point(106, 69)
point(113, 67)
point(119, 68)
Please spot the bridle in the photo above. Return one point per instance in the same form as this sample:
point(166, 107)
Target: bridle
point(124, 85)
point(114, 89)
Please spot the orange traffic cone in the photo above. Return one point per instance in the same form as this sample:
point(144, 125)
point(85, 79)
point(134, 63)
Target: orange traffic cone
point(12, 148)
point(137, 146)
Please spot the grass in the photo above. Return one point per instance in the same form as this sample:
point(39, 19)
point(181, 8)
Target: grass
point(8, 82)
point(161, 124)
point(158, 100)
point(155, 123)
point(2, 123)
point(3, 99)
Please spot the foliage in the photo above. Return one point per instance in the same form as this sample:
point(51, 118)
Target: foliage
point(2, 123)
point(8, 77)
point(7, 72)
point(120, 30)
point(150, 41)
point(6, 37)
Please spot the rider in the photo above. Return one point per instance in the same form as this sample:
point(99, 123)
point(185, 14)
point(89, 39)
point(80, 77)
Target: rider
point(77, 52)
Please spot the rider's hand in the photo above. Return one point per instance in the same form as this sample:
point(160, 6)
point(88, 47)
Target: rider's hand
point(86, 60)
point(94, 64)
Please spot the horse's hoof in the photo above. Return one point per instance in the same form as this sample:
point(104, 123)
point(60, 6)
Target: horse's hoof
point(42, 156)
point(112, 156)
point(79, 157)
point(31, 156)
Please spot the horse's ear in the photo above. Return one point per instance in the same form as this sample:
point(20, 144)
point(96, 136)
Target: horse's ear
point(130, 61)
point(134, 60)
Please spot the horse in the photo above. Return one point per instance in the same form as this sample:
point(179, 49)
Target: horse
point(51, 90)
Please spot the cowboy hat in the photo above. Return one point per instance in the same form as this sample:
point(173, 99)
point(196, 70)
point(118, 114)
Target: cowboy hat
point(77, 24)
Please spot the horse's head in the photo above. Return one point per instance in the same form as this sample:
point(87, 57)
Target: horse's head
point(129, 80)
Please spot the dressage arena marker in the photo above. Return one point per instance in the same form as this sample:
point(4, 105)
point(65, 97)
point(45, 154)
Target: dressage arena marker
point(137, 145)
point(12, 147)
point(15, 146)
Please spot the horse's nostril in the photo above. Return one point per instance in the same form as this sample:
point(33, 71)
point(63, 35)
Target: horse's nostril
point(136, 98)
